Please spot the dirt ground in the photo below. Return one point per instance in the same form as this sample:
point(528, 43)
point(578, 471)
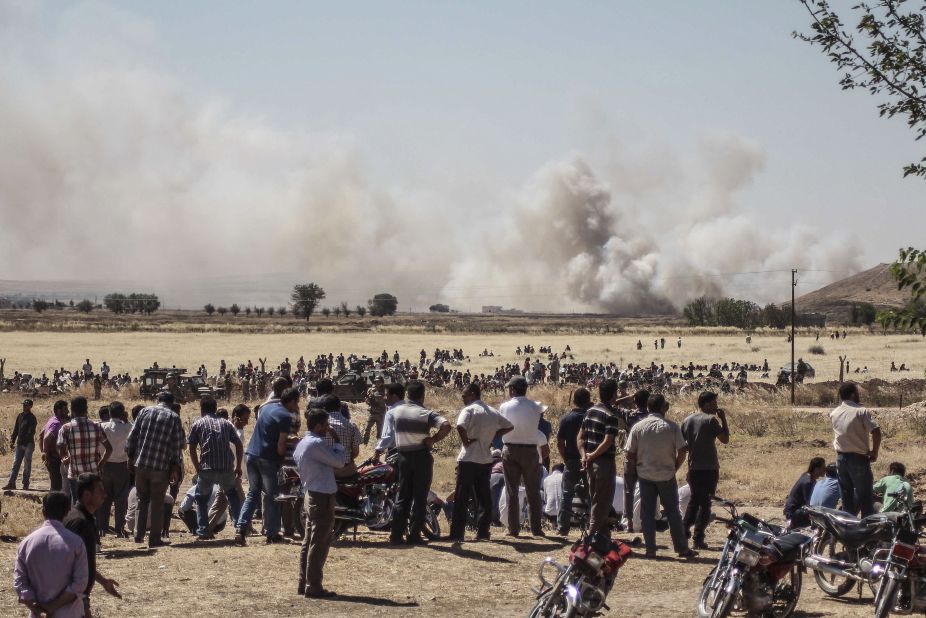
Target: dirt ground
point(487, 578)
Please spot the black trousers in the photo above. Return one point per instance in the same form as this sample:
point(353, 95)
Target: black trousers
point(703, 485)
point(415, 471)
point(472, 483)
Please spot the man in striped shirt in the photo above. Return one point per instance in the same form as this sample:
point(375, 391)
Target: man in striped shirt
point(82, 444)
point(411, 425)
point(155, 449)
point(214, 465)
point(597, 450)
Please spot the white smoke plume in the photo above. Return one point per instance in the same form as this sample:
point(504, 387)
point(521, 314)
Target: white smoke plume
point(114, 170)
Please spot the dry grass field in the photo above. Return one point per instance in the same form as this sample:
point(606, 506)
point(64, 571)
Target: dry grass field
point(770, 446)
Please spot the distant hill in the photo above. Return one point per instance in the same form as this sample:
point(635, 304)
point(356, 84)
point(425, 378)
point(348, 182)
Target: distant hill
point(875, 286)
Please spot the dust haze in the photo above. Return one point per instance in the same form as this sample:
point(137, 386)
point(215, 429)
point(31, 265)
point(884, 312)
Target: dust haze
point(117, 169)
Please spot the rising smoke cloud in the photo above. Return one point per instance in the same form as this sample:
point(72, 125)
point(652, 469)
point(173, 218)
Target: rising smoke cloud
point(114, 170)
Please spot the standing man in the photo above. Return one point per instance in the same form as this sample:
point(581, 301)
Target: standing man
point(411, 427)
point(82, 522)
point(376, 401)
point(701, 430)
point(597, 448)
point(316, 462)
point(115, 472)
point(852, 424)
point(214, 465)
point(48, 440)
point(51, 573)
point(22, 443)
point(658, 449)
point(264, 458)
point(82, 445)
point(155, 449)
point(478, 426)
point(395, 395)
point(567, 437)
point(640, 399)
point(520, 456)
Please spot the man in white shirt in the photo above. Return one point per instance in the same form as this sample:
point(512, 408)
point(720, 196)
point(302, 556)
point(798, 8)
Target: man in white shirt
point(478, 426)
point(856, 440)
point(115, 472)
point(520, 454)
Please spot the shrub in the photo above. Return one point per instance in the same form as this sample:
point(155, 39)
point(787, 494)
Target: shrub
point(816, 349)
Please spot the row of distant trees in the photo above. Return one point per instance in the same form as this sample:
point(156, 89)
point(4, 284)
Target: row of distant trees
point(705, 311)
point(135, 302)
point(305, 299)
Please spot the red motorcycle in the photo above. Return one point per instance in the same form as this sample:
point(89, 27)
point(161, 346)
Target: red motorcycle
point(369, 499)
point(899, 572)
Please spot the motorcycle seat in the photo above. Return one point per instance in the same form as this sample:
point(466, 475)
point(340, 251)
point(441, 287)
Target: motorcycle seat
point(852, 529)
point(789, 545)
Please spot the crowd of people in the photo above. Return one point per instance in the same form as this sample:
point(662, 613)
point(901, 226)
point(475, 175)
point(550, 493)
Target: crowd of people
point(131, 464)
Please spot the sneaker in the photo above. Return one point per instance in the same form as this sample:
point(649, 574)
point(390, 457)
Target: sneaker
point(156, 544)
point(9, 486)
point(687, 554)
point(275, 540)
point(320, 594)
point(701, 545)
point(240, 538)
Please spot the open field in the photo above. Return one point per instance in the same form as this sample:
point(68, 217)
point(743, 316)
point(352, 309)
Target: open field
point(38, 352)
point(771, 445)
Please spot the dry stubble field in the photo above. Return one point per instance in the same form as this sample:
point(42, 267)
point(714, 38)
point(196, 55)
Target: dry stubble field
point(771, 444)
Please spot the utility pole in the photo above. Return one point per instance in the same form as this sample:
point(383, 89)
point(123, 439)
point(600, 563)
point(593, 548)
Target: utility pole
point(793, 366)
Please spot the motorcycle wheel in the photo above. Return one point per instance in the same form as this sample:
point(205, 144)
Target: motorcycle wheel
point(723, 604)
point(537, 611)
point(886, 597)
point(831, 585)
point(340, 527)
point(708, 599)
point(787, 593)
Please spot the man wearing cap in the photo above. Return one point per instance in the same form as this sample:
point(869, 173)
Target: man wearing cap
point(520, 456)
point(22, 441)
point(376, 401)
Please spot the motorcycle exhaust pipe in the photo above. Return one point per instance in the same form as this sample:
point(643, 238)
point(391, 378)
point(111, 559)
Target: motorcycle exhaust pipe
point(831, 567)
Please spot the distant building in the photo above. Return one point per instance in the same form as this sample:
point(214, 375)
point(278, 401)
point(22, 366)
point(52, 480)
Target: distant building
point(498, 309)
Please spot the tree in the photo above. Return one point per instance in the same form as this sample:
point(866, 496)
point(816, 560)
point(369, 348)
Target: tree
point(115, 302)
point(336, 311)
point(326, 312)
point(270, 311)
point(305, 299)
point(209, 308)
point(259, 311)
point(222, 310)
point(345, 309)
point(439, 308)
point(774, 316)
point(235, 309)
point(40, 305)
point(909, 271)
point(383, 304)
point(281, 311)
point(361, 310)
point(700, 312)
point(886, 56)
point(85, 306)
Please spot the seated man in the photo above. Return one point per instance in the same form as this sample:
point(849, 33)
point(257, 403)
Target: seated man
point(888, 488)
point(218, 510)
point(662, 523)
point(826, 491)
point(131, 514)
point(553, 492)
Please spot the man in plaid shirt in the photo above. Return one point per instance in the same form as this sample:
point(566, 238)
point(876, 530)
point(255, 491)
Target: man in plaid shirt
point(155, 449)
point(214, 464)
point(347, 430)
point(82, 445)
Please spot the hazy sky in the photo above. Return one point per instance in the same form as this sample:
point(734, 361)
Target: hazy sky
point(449, 109)
point(453, 94)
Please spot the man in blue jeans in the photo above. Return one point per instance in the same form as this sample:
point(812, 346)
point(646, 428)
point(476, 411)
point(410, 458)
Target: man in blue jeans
point(22, 442)
point(264, 457)
point(657, 449)
point(852, 426)
point(215, 464)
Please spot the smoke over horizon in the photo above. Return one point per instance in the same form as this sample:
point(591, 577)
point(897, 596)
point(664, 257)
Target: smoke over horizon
point(116, 170)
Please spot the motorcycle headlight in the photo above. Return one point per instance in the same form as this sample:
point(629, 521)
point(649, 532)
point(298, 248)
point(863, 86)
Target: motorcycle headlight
point(572, 591)
point(748, 557)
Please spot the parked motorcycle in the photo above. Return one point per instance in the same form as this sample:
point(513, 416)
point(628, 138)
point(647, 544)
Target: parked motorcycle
point(581, 588)
point(759, 570)
point(844, 547)
point(899, 572)
point(369, 499)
